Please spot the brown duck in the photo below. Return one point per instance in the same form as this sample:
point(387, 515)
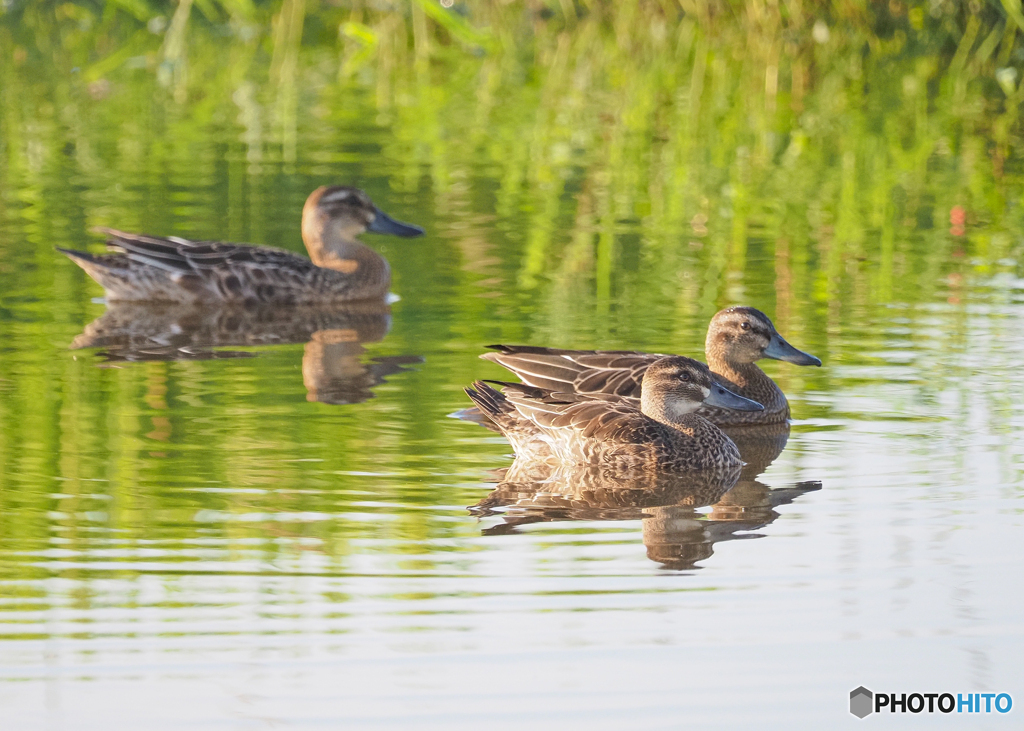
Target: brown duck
point(172, 269)
point(660, 433)
point(737, 338)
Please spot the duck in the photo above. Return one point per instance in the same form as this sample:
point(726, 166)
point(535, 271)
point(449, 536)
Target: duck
point(658, 432)
point(737, 338)
point(173, 269)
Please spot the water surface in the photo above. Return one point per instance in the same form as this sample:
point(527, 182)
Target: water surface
point(287, 530)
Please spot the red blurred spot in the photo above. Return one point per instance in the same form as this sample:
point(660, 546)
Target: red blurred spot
point(957, 217)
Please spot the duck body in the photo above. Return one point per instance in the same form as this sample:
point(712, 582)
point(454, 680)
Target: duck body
point(172, 269)
point(737, 338)
point(168, 269)
point(658, 433)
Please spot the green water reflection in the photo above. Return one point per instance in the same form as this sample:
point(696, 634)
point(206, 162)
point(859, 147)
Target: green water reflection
point(589, 174)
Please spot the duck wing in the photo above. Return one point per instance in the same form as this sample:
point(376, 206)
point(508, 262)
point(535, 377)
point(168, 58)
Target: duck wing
point(589, 372)
point(608, 418)
point(177, 254)
point(231, 271)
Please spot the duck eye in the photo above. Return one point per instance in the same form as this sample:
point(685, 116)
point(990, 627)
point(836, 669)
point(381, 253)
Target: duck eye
point(684, 376)
point(744, 325)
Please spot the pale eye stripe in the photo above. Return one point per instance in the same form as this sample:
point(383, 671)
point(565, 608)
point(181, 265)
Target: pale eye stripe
point(337, 196)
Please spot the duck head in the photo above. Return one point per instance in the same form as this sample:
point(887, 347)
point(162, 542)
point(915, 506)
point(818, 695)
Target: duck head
point(675, 385)
point(740, 335)
point(335, 215)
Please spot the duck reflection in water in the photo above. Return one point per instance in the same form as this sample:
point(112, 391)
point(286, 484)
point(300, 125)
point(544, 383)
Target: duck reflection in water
point(676, 533)
point(334, 369)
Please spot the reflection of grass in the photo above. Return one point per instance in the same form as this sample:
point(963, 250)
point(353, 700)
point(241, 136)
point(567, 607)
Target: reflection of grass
point(596, 173)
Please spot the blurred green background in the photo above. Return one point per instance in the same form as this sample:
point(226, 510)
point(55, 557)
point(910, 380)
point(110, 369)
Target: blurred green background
point(590, 174)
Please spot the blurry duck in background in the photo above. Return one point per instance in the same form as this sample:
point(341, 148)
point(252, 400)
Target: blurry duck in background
point(737, 338)
point(173, 269)
point(661, 433)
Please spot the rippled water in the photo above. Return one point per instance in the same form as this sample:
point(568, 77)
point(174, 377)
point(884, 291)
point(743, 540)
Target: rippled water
point(289, 529)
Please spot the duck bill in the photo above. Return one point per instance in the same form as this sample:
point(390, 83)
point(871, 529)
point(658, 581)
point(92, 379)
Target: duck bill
point(779, 349)
point(385, 224)
point(723, 398)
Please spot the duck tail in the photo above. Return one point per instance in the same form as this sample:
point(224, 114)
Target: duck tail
point(99, 268)
point(79, 257)
point(111, 271)
point(490, 401)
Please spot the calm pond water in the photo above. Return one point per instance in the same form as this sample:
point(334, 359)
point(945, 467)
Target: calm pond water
point(209, 521)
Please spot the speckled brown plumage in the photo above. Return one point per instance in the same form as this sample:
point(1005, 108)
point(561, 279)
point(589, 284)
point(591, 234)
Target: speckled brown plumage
point(661, 433)
point(737, 337)
point(159, 268)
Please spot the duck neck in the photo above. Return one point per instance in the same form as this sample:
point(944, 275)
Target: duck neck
point(740, 374)
point(672, 412)
point(349, 257)
point(747, 380)
point(689, 426)
point(332, 247)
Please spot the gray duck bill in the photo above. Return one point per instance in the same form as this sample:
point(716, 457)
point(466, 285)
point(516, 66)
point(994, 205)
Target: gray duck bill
point(779, 349)
point(723, 398)
point(385, 224)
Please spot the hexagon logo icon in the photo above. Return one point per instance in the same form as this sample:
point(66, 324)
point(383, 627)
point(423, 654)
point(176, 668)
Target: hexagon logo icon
point(860, 702)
